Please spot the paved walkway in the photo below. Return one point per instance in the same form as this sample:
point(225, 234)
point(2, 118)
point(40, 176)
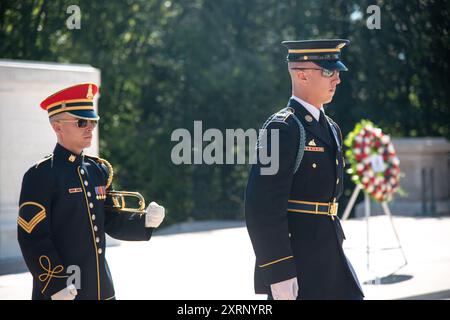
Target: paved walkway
point(216, 262)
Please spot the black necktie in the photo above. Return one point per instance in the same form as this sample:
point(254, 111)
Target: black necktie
point(323, 121)
point(324, 125)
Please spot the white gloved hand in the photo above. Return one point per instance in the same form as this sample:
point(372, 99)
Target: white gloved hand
point(154, 216)
point(68, 293)
point(285, 290)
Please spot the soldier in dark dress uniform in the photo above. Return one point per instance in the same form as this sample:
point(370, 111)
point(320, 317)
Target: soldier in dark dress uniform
point(291, 215)
point(65, 211)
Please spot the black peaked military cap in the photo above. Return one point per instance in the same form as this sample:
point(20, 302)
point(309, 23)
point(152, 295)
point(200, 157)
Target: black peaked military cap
point(325, 53)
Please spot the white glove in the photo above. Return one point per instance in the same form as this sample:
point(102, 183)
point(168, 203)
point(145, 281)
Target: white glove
point(285, 290)
point(68, 293)
point(154, 216)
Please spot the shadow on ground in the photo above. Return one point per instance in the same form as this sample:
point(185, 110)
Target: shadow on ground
point(390, 279)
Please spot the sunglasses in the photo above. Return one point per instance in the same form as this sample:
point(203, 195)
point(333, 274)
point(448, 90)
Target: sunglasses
point(82, 123)
point(325, 72)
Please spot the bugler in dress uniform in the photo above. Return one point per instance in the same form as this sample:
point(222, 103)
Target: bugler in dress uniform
point(292, 215)
point(65, 211)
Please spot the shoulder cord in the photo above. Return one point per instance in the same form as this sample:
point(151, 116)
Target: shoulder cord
point(302, 138)
point(301, 144)
point(110, 171)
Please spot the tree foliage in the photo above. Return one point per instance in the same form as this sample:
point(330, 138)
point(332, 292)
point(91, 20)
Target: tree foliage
point(165, 64)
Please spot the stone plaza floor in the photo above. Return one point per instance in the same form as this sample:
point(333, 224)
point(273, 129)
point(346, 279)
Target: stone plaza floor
point(214, 260)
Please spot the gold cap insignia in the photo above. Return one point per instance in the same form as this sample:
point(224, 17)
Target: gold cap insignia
point(312, 143)
point(90, 95)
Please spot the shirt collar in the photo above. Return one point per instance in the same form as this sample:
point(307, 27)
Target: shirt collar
point(62, 154)
point(313, 110)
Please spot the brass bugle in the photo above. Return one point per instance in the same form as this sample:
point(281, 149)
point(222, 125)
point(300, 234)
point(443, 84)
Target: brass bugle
point(119, 203)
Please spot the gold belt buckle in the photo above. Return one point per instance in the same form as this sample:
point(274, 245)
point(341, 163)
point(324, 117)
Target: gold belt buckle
point(333, 208)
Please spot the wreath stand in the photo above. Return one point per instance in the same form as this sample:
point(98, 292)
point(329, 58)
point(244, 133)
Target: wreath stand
point(387, 212)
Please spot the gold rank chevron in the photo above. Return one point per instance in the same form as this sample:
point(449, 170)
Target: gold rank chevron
point(30, 225)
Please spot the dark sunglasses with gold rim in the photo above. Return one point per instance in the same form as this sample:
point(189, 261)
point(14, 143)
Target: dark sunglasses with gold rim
point(82, 123)
point(325, 72)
